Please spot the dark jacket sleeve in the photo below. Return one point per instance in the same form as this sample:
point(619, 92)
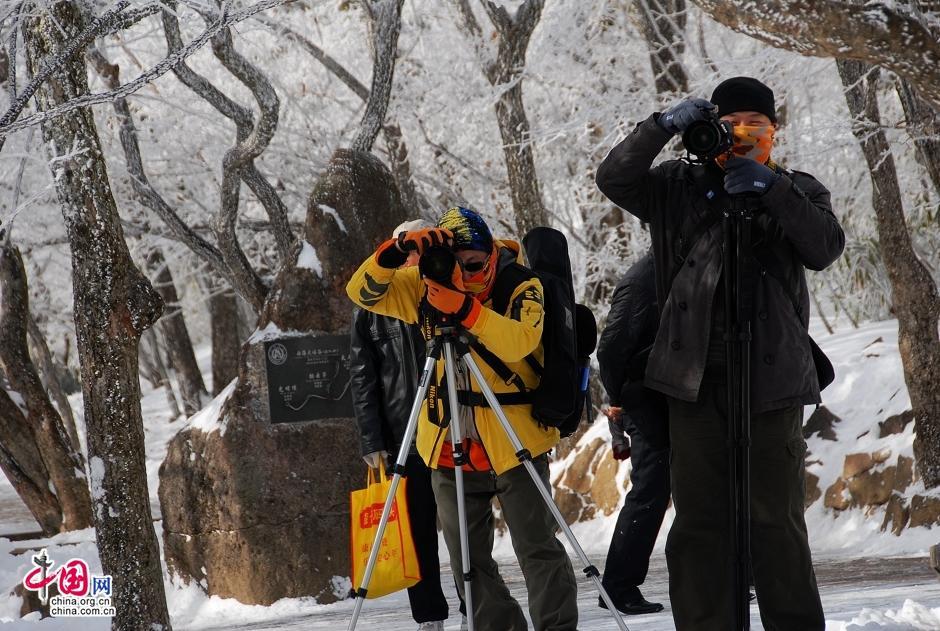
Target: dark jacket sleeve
point(631, 326)
point(365, 384)
point(625, 176)
point(801, 206)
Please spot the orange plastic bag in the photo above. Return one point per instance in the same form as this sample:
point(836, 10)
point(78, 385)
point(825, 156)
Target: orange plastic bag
point(396, 566)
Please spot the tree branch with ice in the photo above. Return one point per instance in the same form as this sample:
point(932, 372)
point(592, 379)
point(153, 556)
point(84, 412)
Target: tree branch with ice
point(893, 36)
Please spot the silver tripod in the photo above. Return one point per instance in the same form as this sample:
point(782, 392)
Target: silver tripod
point(446, 340)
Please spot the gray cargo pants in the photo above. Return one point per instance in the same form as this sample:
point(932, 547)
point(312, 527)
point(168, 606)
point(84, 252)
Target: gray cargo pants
point(548, 575)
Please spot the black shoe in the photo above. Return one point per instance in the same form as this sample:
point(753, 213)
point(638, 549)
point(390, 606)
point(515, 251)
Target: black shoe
point(634, 607)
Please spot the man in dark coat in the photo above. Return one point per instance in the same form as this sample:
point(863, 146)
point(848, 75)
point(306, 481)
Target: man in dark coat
point(639, 431)
point(385, 359)
point(794, 229)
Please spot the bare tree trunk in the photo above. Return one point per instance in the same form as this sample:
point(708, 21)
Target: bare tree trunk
point(113, 304)
point(160, 376)
point(514, 35)
point(226, 343)
point(385, 24)
point(176, 336)
point(505, 72)
point(923, 125)
point(400, 166)
point(22, 463)
point(49, 373)
point(663, 25)
point(915, 298)
point(63, 459)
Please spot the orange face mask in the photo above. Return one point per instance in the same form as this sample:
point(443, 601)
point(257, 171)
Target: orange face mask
point(480, 282)
point(751, 141)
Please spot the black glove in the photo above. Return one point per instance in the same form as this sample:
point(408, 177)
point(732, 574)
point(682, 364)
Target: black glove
point(680, 115)
point(743, 175)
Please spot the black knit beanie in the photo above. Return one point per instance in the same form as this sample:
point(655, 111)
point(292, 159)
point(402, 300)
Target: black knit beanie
point(744, 94)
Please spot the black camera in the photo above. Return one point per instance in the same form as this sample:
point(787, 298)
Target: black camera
point(709, 138)
point(437, 263)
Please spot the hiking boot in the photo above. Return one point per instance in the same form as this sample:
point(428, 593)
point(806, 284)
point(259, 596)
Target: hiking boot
point(633, 607)
point(436, 625)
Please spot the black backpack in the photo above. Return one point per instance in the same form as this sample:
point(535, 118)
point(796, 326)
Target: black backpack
point(569, 333)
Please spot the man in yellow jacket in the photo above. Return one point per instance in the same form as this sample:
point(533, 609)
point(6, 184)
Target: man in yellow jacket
point(492, 468)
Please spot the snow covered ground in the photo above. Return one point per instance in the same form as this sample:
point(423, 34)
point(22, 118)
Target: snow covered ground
point(868, 579)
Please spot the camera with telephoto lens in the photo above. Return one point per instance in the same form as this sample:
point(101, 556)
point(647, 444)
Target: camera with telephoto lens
point(709, 138)
point(437, 263)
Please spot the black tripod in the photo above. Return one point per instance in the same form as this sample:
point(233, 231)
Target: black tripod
point(452, 342)
point(736, 257)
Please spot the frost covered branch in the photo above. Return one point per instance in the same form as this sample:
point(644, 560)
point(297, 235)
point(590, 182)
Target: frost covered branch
point(98, 25)
point(254, 144)
point(142, 186)
point(158, 70)
point(880, 34)
point(338, 70)
point(386, 25)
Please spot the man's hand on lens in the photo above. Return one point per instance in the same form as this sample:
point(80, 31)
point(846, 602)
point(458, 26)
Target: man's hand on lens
point(375, 458)
point(450, 301)
point(679, 116)
point(420, 240)
point(743, 175)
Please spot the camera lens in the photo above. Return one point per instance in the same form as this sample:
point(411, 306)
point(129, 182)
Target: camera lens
point(702, 138)
point(437, 263)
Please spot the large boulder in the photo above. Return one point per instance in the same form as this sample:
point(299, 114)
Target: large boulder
point(821, 422)
point(605, 492)
point(256, 510)
point(925, 511)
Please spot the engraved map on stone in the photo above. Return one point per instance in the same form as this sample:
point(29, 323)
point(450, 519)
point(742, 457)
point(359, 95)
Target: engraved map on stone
point(308, 378)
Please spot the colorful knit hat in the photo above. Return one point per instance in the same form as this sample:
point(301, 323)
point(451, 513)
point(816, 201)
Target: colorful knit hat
point(469, 229)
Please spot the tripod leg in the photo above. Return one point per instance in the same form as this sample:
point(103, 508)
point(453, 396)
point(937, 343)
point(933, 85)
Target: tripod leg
point(456, 441)
point(398, 469)
point(526, 459)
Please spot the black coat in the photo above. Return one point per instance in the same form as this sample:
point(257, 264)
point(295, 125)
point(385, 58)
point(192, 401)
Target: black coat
point(631, 327)
point(385, 359)
point(794, 227)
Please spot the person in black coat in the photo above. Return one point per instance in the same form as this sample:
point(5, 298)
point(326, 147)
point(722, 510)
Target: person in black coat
point(385, 360)
point(793, 229)
point(639, 431)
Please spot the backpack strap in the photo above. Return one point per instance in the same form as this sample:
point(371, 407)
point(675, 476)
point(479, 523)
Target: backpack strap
point(507, 280)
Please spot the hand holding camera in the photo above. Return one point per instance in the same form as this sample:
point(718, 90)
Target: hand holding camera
point(743, 175)
point(450, 298)
point(420, 240)
point(681, 115)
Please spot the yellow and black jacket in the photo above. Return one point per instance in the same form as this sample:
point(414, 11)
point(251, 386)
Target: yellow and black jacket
point(511, 336)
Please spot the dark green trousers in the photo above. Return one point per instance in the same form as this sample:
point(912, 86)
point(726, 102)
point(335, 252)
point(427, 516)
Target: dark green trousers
point(548, 575)
point(699, 546)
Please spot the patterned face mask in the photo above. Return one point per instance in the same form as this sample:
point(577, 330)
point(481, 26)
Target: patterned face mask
point(751, 141)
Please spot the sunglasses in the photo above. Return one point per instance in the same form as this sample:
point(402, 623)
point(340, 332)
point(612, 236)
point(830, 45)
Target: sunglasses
point(474, 266)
